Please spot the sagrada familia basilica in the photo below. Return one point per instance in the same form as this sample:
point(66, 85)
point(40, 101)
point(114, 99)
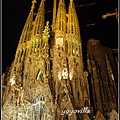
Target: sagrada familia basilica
point(47, 79)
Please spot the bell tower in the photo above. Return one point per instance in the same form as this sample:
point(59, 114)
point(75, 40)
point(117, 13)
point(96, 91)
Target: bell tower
point(28, 91)
point(70, 79)
point(43, 84)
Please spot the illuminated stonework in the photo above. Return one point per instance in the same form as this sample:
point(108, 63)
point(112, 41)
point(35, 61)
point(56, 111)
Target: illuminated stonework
point(47, 75)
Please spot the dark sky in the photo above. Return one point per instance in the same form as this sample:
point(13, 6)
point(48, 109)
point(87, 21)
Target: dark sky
point(15, 12)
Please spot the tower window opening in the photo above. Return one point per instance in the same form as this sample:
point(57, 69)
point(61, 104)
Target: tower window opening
point(73, 52)
point(86, 103)
point(51, 64)
point(38, 29)
point(59, 25)
point(59, 54)
point(58, 48)
point(24, 54)
point(66, 46)
point(38, 46)
point(75, 31)
point(31, 50)
point(63, 26)
point(41, 44)
point(78, 95)
point(72, 29)
point(72, 43)
point(21, 56)
point(62, 49)
point(24, 40)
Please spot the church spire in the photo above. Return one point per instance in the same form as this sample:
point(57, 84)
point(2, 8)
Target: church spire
point(61, 17)
point(33, 5)
point(25, 36)
point(73, 24)
point(38, 25)
point(54, 15)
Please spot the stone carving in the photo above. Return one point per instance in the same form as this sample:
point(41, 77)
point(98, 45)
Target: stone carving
point(28, 93)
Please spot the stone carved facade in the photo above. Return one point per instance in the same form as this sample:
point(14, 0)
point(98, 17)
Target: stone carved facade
point(102, 78)
point(47, 75)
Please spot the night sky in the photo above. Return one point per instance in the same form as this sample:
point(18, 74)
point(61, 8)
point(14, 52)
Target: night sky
point(15, 12)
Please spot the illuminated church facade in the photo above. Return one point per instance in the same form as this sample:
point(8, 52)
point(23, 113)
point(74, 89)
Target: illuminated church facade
point(47, 75)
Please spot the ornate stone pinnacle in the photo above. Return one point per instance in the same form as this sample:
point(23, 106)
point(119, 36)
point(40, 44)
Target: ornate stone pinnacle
point(33, 5)
point(46, 31)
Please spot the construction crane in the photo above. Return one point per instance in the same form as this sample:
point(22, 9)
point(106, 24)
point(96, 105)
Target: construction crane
point(110, 14)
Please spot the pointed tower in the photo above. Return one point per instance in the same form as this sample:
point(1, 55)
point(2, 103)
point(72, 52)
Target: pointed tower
point(43, 85)
point(60, 27)
point(73, 24)
point(60, 31)
point(18, 63)
point(35, 46)
point(36, 43)
point(28, 90)
point(60, 66)
point(38, 24)
point(70, 80)
point(15, 79)
point(25, 36)
point(54, 15)
point(73, 48)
